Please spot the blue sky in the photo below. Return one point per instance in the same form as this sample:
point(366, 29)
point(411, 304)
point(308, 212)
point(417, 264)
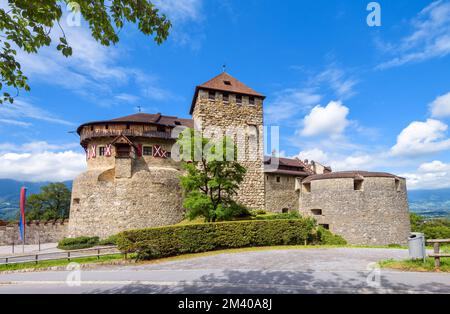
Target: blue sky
point(343, 93)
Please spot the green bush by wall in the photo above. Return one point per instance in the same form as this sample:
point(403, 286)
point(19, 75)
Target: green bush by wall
point(175, 240)
point(78, 243)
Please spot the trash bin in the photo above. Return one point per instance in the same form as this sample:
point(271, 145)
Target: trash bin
point(416, 246)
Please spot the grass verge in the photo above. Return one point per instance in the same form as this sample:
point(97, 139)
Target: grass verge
point(47, 264)
point(418, 266)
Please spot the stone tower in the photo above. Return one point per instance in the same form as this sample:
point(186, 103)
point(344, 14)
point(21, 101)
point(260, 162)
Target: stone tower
point(225, 106)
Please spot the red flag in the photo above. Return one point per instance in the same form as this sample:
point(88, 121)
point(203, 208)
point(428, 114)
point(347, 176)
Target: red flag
point(22, 222)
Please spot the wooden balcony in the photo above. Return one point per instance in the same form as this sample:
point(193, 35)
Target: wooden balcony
point(129, 133)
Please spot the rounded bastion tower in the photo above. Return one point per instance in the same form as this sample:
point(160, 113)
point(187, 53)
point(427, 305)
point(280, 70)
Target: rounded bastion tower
point(131, 181)
point(368, 208)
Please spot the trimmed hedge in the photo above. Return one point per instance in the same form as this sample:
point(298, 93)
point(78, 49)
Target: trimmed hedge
point(181, 239)
point(78, 243)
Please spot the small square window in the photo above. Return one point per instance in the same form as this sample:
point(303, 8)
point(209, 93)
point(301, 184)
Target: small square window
point(128, 126)
point(76, 201)
point(101, 151)
point(251, 101)
point(325, 226)
point(107, 127)
point(278, 179)
point(226, 97)
point(212, 95)
point(238, 99)
point(358, 185)
point(147, 150)
point(228, 83)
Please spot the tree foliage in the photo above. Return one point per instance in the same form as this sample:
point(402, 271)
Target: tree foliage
point(212, 177)
point(27, 24)
point(438, 228)
point(52, 203)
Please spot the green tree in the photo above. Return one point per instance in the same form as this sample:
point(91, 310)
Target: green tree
point(27, 24)
point(437, 228)
point(212, 177)
point(52, 203)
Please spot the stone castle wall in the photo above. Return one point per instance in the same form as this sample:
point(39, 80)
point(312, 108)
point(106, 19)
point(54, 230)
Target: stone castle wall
point(281, 195)
point(378, 214)
point(122, 193)
point(43, 231)
point(231, 118)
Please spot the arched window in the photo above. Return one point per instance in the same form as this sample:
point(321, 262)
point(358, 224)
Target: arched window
point(316, 212)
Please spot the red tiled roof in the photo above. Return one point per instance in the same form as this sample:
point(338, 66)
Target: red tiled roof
point(348, 174)
point(145, 118)
point(226, 83)
point(287, 163)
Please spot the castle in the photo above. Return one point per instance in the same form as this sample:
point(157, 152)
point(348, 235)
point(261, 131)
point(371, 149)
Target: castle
point(132, 181)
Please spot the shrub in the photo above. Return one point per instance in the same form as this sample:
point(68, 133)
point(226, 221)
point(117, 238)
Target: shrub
point(438, 228)
point(256, 212)
point(112, 240)
point(180, 239)
point(78, 243)
point(325, 236)
point(288, 216)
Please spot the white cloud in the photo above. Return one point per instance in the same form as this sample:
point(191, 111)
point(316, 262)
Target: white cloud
point(42, 166)
point(330, 120)
point(432, 175)
point(338, 80)
point(35, 147)
point(314, 154)
point(21, 109)
point(340, 162)
point(14, 122)
point(180, 10)
point(290, 102)
point(40, 161)
point(92, 71)
point(434, 166)
point(440, 107)
point(429, 38)
point(421, 138)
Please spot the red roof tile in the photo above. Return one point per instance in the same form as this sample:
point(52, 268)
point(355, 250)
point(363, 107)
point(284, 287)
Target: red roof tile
point(226, 83)
point(145, 118)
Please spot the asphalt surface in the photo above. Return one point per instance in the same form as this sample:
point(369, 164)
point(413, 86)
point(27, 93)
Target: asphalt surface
point(344, 270)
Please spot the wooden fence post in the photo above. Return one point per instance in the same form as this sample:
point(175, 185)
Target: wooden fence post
point(437, 259)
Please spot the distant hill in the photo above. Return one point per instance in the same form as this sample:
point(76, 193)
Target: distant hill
point(430, 203)
point(10, 195)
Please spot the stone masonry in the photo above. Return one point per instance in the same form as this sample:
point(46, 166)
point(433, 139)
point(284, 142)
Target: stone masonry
point(372, 211)
point(234, 119)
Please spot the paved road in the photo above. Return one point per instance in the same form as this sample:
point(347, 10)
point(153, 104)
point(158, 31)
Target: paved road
point(342, 270)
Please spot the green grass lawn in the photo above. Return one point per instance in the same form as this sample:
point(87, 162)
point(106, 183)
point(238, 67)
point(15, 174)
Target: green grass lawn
point(47, 264)
point(418, 265)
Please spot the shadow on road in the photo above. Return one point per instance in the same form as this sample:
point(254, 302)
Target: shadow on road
point(277, 282)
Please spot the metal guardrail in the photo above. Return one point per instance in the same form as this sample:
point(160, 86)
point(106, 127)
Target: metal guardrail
point(437, 254)
point(61, 255)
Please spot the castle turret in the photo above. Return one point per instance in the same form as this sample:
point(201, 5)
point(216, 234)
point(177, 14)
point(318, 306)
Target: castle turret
point(225, 106)
point(131, 181)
